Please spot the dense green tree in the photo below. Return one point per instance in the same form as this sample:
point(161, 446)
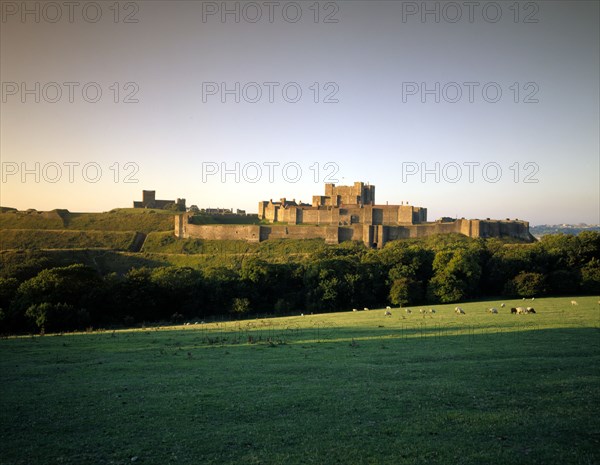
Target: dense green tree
point(406, 291)
point(457, 274)
point(528, 284)
point(180, 290)
point(69, 284)
point(563, 282)
point(55, 317)
point(590, 277)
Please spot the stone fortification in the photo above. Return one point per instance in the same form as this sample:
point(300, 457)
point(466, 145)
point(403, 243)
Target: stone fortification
point(347, 213)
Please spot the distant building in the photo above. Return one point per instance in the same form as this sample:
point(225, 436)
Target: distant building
point(149, 201)
point(217, 211)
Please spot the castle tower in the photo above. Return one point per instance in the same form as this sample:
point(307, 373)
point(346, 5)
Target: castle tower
point(148, 197)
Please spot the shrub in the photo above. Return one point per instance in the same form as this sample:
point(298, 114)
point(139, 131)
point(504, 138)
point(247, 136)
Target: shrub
point(240, 305)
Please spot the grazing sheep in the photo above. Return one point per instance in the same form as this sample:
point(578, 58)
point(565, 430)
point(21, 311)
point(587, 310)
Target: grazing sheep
point(388, 313)
point(493, 310)
point(354, 310)
point(388, 308)
point(513, 310)
point(533, 298)
point(574, 302)
point(502, 305)
point(366, 309)
point(431, 310)
point(408, 310)
point(459, 311)
point(421, 310)
point(521, 310)
point(530, 310)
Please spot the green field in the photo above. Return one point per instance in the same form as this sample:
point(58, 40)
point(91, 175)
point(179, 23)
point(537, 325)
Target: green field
point(29, 239)
point(274, 249)
point(118, 219)
point(344, 388)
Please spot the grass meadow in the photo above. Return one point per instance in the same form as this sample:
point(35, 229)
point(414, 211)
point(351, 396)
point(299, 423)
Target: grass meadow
point(344, 388)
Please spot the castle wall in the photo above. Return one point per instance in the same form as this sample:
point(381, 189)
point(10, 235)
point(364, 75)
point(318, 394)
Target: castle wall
point(328, 233)
point(372, 235)
point(222, 232)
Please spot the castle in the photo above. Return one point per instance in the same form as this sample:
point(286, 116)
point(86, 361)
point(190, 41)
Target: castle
point(341, 206)
point(347, 213)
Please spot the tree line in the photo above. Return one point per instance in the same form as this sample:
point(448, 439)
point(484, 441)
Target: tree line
point(37, 296)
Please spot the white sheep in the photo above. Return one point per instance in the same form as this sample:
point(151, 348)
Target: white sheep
point(354, 310)
point(459, 311)
point(408, 310)
point(366, 309)
point(574, 302)
point(492, 310)
point(503, 305)
point(431, 310)
point(388, 308)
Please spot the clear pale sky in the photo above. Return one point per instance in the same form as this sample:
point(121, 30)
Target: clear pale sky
point(372, 115)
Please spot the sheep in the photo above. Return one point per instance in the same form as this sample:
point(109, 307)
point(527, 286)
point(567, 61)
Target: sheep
point(354, 310)
point(502, 305)
point(574, 302)
point(530, 310)
point(492, 310)
point(421, 310)
point(459, 311)
point(388, 313)
point(366, 309)
point(513, 310)
point(431, 310)
point(408, 310)
point(521, 310)
point(388, 308)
